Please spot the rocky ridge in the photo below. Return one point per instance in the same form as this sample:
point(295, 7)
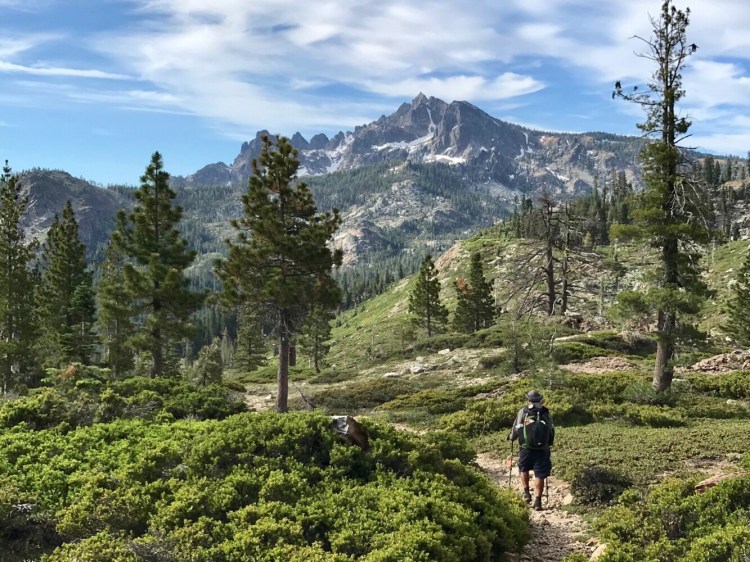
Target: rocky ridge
point(480, 148)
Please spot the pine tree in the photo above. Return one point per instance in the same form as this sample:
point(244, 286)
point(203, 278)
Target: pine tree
point(316, 332)
point(66, 325)
point(738, 323)
point(671, 209)
point(424, 300)
point(209, 367)
point(17, 319)
point(251, 345)
point(475, 308)
point(82, 338)
point(161, 298)
point(280, 263)
point(114, 324)
point(228, 348)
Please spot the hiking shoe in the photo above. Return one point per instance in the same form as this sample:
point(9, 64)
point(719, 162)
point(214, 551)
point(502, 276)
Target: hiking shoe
point(527, 496)
point(537, 504)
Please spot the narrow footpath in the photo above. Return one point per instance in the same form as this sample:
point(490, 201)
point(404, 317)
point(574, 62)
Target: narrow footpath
point(555, 531)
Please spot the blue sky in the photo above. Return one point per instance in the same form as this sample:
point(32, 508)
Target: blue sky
point(95, 86)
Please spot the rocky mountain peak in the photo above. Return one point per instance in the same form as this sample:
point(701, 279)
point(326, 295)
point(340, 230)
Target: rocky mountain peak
point(299, 142)
point(478, 147)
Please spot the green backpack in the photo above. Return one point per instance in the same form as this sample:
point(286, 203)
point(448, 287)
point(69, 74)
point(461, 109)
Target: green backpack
point(536, 432)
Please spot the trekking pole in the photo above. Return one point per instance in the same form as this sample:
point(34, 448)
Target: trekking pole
point(546, 490)
point(510, 466)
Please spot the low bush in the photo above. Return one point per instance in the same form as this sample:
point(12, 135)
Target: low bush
point(636, 414)
point(697, 406)
point(596, 388)
point(492, 361)
point(438, 401)
point(440, 341)
point(630, 343)
point(640, 451)
point(734, 385)
point(596, 485)
point(259, 487)
point(86, 401)
point(363, 394)
point(674, 524)
point(496, 414)
point(643, 392)
point(575, 351)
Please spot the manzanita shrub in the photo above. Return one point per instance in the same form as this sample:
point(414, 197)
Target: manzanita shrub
point(263, 487)
point(673, 523)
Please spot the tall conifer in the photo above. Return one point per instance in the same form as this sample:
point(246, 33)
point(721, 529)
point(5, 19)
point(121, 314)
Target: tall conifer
point(161, 299)
point(738, 308)
point(280, 263)
point(475, 308)
point(424, 300)
point(17, 318)
point(251, 345)
point(65, 301)
point(671, 211)
point(114, 322)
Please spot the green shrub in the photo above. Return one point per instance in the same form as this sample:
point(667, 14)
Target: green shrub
point(362, 395)
point(631, 343)
point(598, 485)
point(101, 547)
point(575, 351)
point(729, 385)
point(256, 487)
point(697, 406)
point(492, 361)
point(642, 392)
point(441, 341)
point(482, 417)
point(137, 397)
point(598, 388)
point(729, 544)
point(675, 524)
point(652, 416)
point(329, 376)
point(439, 401)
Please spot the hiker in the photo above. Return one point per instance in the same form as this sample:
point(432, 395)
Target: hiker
point(535, 433)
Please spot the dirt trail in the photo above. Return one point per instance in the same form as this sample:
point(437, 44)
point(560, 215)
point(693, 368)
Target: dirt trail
point(555, 532)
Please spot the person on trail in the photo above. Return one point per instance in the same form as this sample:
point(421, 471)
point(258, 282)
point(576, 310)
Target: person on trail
point(536, 434)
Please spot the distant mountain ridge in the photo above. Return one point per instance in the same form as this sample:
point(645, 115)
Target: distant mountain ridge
point(421, 178)
point(478, 147)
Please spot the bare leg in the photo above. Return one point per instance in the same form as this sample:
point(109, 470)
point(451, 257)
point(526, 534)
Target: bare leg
point(538, 486)
point(524, 476)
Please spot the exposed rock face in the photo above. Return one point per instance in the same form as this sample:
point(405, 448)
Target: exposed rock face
point(48, 190)
point(482, 148)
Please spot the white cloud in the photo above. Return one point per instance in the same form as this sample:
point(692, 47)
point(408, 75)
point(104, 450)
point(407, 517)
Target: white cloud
point(478, 88)
point(288, 65)
point(9, 67)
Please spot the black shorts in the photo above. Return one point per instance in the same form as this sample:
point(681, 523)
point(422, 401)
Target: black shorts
point(538, 460)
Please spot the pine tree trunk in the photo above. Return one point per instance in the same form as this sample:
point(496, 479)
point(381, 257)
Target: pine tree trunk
point(667, 322)
point(549, 274)
point(663, 371)
point(282, 381)
point(292, 355)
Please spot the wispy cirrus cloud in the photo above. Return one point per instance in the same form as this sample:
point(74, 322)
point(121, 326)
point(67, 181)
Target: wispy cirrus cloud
point(8, 67)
